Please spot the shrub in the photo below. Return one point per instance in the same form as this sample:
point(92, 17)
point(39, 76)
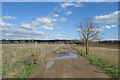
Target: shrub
point(16, 42)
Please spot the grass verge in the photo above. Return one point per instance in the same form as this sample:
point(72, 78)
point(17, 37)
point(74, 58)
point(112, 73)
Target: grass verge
point(29, 70)
point(109, 67)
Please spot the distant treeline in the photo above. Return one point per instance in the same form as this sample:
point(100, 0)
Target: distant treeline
point(33, 41)
point(109, 42)
point(58, 41)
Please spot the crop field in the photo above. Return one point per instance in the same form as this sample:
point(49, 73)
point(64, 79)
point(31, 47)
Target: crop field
point(107, 51)
point(16, 56)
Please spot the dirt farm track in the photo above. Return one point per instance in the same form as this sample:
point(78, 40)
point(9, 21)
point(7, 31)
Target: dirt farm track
point(69, 67)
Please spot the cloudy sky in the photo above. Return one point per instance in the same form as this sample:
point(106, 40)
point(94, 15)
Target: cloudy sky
point(56, 20)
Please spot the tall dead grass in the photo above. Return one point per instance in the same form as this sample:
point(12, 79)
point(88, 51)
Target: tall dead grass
point(16, 56)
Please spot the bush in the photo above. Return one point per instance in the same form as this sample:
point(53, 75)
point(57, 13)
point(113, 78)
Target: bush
point(16, 42)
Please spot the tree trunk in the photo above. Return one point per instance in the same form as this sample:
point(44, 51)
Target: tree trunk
point(86, 46)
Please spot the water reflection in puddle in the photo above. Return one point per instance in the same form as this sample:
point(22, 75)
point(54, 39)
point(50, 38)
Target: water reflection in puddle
point(67, 55)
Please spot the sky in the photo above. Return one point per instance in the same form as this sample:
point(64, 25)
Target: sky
point(56, 20)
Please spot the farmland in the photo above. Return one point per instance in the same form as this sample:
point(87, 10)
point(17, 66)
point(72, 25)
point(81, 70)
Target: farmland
point(59, 39)
point(17, 56)
point(107, 51)
point(17, 60)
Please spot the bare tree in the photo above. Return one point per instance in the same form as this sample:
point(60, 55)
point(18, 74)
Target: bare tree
point(88, 30)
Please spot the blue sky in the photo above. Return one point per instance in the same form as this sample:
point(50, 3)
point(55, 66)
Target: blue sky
point(56, 20)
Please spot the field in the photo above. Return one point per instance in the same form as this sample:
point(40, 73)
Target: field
point(17, 56)
point(107, 66)
point(17, 61)
point(107, 51)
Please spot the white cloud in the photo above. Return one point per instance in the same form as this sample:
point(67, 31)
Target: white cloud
point(46, 23)
point(3, 24)
point(8, 17)
point(113, 26)
point(68, 13)
point(110, 18)
point(43, 22)
point(105, 27)
point(11, 33)
point(108, 27)
point(27, 26)
point(67, 4)
point(79, 30)
point(61, 36)
point(54, 20)
point(62, 19)
point(46, 27)
point(8, 34)
point(56, 15)
point(101, 29)
point(58, 36)
point(58, 9)
point(59, 27)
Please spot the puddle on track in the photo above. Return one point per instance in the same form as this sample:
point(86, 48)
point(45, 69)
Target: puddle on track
point(66, 55)
point(50, 64)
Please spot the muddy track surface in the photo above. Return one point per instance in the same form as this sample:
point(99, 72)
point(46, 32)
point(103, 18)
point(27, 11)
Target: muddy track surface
point(62, 65)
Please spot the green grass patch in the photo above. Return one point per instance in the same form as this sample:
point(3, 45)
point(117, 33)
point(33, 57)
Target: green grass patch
point(109, 67)
point(28, 70)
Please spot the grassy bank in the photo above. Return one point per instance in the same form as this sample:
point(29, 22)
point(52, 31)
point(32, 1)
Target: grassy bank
point(109, 67)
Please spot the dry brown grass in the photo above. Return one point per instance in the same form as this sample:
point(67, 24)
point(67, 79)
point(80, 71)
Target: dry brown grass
point(16, 56)
point(107, 51)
